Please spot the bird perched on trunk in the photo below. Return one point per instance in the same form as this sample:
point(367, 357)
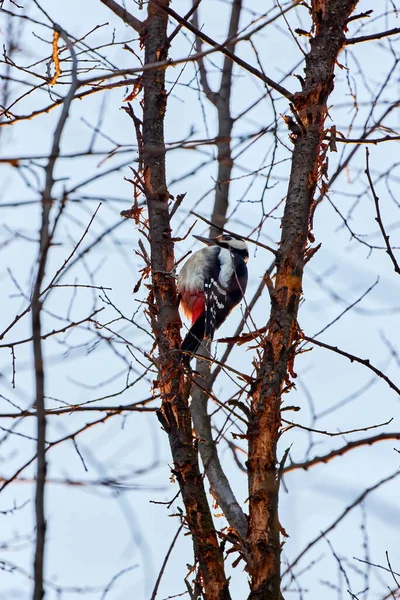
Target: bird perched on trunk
point(211, 283)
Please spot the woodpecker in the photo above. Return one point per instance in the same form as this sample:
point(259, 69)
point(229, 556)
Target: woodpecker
point(211, 283)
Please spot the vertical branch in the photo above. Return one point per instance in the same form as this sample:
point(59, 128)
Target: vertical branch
point(221, 101)
point(219, 482)
point(174, 414)
point(330, 18)
point(41, 428)
point(225, 125)
point(210, 95)
point(37, 304)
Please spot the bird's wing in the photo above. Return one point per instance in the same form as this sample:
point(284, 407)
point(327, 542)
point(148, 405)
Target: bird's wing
point(215, 305)
point(223, 290)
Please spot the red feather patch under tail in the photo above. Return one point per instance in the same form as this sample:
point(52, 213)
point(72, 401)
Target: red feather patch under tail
point(193, 305)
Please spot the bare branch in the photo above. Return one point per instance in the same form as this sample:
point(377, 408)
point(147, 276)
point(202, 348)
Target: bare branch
point(325, 458)
point(354, 358)
point(45, 240)
point(124, 15)
point(157, 584)
point(276, 365)
point(211, 96)
point(219, 482)
point(379, 217)
point(255, 242)
point(372, 36)
point(340, 518)
point(174, 413)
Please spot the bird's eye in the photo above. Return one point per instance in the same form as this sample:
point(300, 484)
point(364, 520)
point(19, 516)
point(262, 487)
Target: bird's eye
point(226, 238)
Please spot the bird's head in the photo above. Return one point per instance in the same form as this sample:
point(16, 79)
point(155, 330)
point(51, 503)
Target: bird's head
point(231, 242)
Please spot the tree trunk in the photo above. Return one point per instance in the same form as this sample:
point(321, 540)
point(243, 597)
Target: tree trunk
point(174, 413)
point(329, 18)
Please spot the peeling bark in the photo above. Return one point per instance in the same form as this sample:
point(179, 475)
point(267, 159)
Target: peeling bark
point(174, 414)
point(273, 372)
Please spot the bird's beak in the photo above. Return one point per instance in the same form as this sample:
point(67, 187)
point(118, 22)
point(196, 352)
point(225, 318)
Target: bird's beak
point(206, 241)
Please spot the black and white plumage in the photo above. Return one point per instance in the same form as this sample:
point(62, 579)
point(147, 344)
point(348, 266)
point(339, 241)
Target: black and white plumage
point(211, 283)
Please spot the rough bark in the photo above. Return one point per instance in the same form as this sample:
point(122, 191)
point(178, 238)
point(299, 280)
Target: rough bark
point(174, 413)
point(264, 548)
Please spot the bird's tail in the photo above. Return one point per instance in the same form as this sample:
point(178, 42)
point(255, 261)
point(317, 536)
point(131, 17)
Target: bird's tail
point(192, 340)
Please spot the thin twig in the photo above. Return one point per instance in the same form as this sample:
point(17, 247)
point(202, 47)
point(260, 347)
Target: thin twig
point(255, 242)
point(325, 458)
point(44, 336)
point(379, 217)
point(354, 358)
point(372, 36)
point(356, 502)
point(161, 573)
point(124, 15)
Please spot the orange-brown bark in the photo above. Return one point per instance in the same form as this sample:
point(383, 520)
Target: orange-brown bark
point(263, 540)
point(174, 414)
